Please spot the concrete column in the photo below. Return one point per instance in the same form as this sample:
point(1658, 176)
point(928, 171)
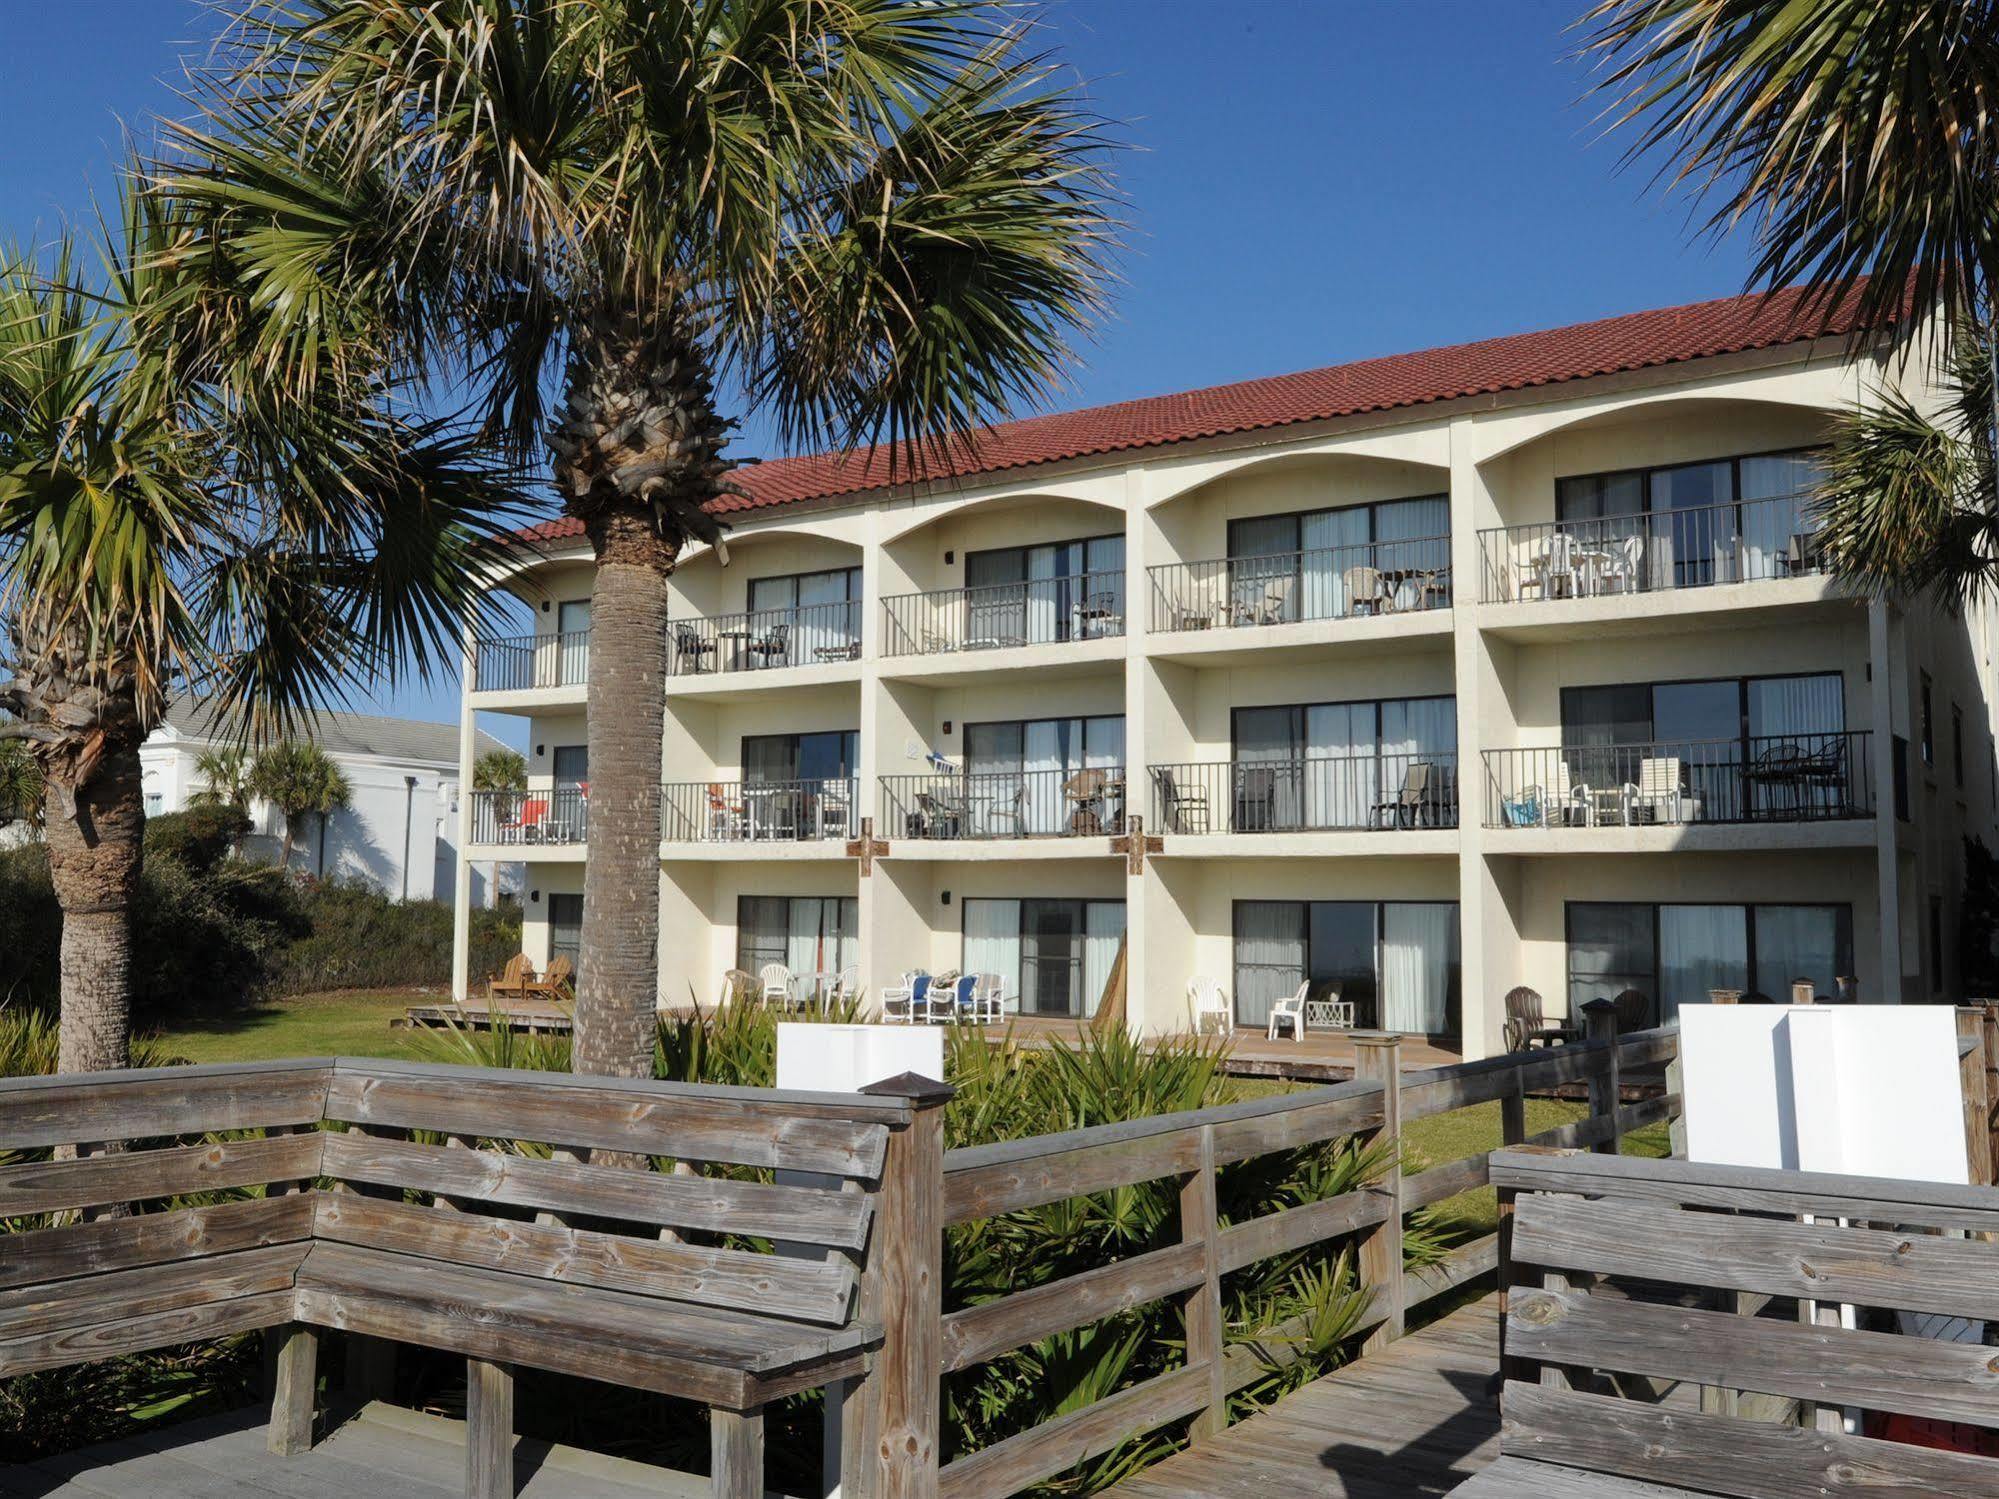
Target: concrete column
point(1886, 675)
point(1140, 1001)
point(1483, 975)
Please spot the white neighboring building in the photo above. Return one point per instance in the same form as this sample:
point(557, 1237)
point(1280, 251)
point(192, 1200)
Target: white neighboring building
point(399, 832)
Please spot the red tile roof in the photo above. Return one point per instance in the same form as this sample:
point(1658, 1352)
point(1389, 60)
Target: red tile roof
point(1634, 341)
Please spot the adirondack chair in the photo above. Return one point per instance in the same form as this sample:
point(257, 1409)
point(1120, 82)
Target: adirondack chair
point(557, 983)
point(512, 981)
point(1527, 1023)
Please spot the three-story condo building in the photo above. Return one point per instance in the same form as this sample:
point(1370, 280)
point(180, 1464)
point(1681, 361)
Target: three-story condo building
point(1511, 663)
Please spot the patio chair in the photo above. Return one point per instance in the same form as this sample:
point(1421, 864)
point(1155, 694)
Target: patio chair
point(512, 981)
point(1276, 608)
point(773, 647)
point(937, 1000)
point(739, 987)
point(530, 824)
point(1256, 799)
point(1182, 810)
point(1661, 791)
point(774, 980)
point(1527, 1023)
point(899, 999)
point(1291, 1010)
point(847, 985)
point(728, 821)
point(1405, 808)
point(1555, 567)
point(690, 646)
point(834, 816)
point(1634, 1010)
point(1617, 571)
point(557, 983)
point(989, 999)
point(1567, 800)
point(1367, 592)
point(1206, 1000)
point(1433, 588)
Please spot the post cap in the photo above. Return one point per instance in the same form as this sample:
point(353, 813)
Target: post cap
point(1599, 1007)
point(923, 1092)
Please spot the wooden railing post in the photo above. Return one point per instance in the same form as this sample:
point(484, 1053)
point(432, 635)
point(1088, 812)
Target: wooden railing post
point(1201, 1307)
point(1600, 1034)
point(1977, 1103)
point(1378, 1058)
point(891, 1417)
point(1991, 1008)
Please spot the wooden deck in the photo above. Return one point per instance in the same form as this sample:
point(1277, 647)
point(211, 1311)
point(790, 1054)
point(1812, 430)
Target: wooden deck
point(1321, 1056)
point(381, 1453)
point(1416, 1417)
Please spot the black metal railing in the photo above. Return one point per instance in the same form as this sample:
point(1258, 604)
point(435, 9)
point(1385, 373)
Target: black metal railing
point(1748, 541)
point(763, 639)
point(1382, 577)
point(1331, 794)
point(1042, 611)
point(1768, 778)
point(758, 811)
point(1004, 804)
point(524, 663)
point(558, 816)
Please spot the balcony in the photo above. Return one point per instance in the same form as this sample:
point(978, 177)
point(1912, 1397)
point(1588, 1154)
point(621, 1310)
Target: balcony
point(1040, 611)
point(1283, 588)
point(766, 639)
point(1788, 778)
point(773, 812)
point(531, 663)
point(950, 807)
point(532, 819)
point(1660, 551)
point(1307, 795)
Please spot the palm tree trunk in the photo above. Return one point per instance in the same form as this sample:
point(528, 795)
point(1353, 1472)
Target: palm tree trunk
point(94, 862)
point(637, 455)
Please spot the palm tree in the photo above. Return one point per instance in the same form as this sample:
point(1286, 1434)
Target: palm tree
point(500, 770)
point(20, 784)
point(872, 220)
point(225, 777)
point(1858, 138)
point(299, 779)
point(193, 494)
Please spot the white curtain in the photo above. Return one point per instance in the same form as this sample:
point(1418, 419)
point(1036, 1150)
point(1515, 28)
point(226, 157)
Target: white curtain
point(1103, 930)
point(1262, 556)
point(1269, 956)
point(1419, 966)
point(1045, 762)
point(1412, 534)
point(1796, 942)
point(1045, 596)
point(822, 617)
point(1340, 765)
point(1773, 510)
point(1334, 540)
point(1700, 948)
point(1801, 716)
point(992, 943)
point(804, 929)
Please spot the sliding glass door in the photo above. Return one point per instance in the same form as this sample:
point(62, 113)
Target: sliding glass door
point(808, 934)
point(1397, 961)
point(1301, 565)
point(1337, 765)
point(1675, 954)
point(818, 613)
point(1039, 595)
point(1025, 774)
point(1055, 955)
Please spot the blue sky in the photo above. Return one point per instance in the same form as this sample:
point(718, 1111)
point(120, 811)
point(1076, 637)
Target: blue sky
point(1309, 182)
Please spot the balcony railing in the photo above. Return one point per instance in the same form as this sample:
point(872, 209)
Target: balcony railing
point(1769, 778)
point(758, 811)
point(529, 818)
point(1004, 804)
point(524, 663)
point(1662, 550)
point(1307, 795)
point(1041, 611)
point(1382, 577)
point(811, 635)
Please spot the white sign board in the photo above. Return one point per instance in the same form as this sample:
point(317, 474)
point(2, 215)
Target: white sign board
point(846, 1058)
point(1863, 1090)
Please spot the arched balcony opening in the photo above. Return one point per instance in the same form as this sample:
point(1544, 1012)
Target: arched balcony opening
point(787, 598)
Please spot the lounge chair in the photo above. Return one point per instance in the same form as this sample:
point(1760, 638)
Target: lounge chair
point(512, 981)
point(1527, 1024)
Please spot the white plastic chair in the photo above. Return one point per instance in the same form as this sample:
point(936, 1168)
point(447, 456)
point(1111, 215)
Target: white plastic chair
point(897, 1006)
point(776, 981)
point(989, 999)
point(1292, 1009)
point(1620, 566)
point(1556, 566)
point(847, 986)
point(1205, 996)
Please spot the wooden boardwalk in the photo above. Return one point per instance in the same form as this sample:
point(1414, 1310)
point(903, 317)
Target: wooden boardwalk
point(382, 1453)
point(1416, 1417)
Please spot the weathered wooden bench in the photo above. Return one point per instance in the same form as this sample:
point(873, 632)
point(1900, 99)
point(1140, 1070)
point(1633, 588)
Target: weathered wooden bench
point(454, 1208)
point(1629, 1279)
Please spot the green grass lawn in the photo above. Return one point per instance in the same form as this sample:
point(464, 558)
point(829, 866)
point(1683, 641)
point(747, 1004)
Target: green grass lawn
point(351, 1023)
